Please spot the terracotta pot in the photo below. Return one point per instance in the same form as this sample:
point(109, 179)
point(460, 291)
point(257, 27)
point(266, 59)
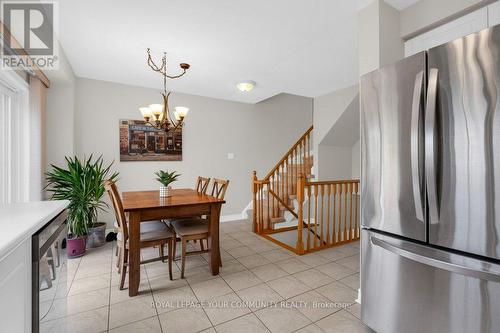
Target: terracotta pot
point(75, 247)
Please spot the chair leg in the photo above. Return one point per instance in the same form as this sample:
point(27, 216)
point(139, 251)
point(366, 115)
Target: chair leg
point(123, 262)
point(183, 256)
point(118, 253)
point(170, 258)
point(220, 259)
point(160, 250)
point(201, 245)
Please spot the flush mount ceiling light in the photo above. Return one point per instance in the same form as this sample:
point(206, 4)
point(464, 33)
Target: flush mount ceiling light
point(246, 86)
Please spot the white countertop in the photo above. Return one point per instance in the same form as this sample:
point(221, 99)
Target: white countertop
point(19, 221)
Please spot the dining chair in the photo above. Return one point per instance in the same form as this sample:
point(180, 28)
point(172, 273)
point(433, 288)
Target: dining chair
point(197, 228)
point(153, 233)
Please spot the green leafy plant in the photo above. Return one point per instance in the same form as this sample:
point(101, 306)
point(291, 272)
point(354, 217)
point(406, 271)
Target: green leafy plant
point(82, 183)
point(166, 178)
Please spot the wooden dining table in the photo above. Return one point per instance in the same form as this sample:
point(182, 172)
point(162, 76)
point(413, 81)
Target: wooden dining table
point(147, 206)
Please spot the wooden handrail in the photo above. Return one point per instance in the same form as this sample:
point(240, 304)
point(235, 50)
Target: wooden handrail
point(288, 153)
point(332, 182)
point(283, 203)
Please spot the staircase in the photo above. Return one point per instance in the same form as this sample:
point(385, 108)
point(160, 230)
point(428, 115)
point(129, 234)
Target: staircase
point(302, 215)
point(275, 195)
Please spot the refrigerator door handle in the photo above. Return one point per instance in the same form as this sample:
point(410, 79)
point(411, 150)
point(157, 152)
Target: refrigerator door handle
point(439, 263)
point(415, 165)
point(430, 169)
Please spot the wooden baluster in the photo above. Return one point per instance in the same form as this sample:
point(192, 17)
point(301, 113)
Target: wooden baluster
point(300, 199)
point(328, 188)
point(308, 217)
point(322, 224)
point(356, 210)
point(287, 187)
point(315, 216)
point(268, 201)
point(255, 225)
point(345, 188)
point(335, 234)
point(351, 187)
point(283, 183)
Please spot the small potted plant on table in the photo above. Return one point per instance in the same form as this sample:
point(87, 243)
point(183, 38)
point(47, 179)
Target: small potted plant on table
point(81, 183)
point(166, 178)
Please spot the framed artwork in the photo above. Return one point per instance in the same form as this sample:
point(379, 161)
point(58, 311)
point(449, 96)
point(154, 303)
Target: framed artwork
point(141, 142)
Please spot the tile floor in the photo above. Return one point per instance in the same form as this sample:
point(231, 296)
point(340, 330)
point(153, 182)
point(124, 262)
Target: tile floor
point(272, 290)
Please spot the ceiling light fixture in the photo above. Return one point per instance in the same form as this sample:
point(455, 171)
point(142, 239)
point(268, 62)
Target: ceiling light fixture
point(158, 115)
point(246, 86)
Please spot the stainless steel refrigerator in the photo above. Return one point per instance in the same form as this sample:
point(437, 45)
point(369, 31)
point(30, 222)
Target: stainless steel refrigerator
point(430, 200)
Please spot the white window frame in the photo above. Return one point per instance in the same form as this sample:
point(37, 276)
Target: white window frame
point(14, 139)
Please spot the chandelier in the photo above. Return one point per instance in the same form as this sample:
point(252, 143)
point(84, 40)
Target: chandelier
point(158, 115)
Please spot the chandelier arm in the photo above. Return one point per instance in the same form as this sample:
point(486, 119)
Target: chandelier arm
point(176, 76)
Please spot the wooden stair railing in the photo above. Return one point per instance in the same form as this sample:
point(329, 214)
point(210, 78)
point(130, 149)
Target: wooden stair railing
point(274, 194)
point(330, 212)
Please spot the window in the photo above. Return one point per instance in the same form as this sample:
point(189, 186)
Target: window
point(14, 138)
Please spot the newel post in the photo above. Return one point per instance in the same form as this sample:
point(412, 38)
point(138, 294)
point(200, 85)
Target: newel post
point(301, 182)
point(255, 227)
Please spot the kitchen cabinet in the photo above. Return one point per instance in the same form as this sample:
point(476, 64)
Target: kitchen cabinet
point(15, 289)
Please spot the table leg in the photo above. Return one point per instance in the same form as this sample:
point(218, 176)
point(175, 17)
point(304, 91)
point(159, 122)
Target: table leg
point(214, 238)
point(134, 234)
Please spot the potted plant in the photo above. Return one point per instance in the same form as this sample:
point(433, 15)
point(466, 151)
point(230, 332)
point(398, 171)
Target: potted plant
point(81, 183)
point(166, 178)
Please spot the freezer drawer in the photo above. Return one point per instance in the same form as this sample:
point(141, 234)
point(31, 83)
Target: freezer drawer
point(406, 287)
point(392, 173)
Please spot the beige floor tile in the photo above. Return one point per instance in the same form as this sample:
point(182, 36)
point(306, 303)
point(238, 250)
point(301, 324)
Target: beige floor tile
point(314, 306)
point(333, 254)
point(118, 295)
point(349, 249)
point(355, 310)
point(352, 281)
point(230, 267)
point(199, 274)
point(130, 311)
point(259, 296)
point(335, 270)
point(192, 261)
point(253, 260)
point(224, 308)
point(90, 269)
point(293, 265)
point(351, 262)
point(246, 324)
point(310, 329)
point(313, 259)
point(282, 320)
point(288, 286)
point(269, 272)
point(313, 278)
point(174, 299)
point(163, 283)
point(277, 255)
point(78, 303)
point(230, 244)
point(339, 293)
point(90, 283)
point(84, 322)
point(242, 280)
point(241, 251)
point(341, 322)
point(187, 320)
point(159, 268)
point(209, 330)
point(211, 288)
point(143, 326)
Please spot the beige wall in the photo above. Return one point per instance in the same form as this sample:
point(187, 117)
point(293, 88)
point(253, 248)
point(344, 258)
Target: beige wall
point(356, 160)
point(258, 135)
point(427, 14)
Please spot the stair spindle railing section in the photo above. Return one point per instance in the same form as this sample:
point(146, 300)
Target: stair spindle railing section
point(274, 194)
point(330, 214)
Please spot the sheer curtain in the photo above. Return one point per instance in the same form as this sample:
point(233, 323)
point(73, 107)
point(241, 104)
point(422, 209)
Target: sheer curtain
point(22, 108)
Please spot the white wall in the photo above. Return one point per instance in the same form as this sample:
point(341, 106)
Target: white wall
point(334, 163)
point(60, 112)
point(258, 135)
point(327, 111)
point(356, 160)
point(426, 14)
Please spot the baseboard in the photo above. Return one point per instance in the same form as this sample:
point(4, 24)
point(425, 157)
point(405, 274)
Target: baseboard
point(232, 217)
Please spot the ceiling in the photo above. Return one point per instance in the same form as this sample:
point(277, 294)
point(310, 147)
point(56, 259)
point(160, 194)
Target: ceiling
point(303, 47)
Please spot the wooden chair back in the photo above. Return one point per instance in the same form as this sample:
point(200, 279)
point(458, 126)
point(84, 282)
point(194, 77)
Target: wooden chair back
point(114, 195)
point(202, 185)
point(219, 188)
